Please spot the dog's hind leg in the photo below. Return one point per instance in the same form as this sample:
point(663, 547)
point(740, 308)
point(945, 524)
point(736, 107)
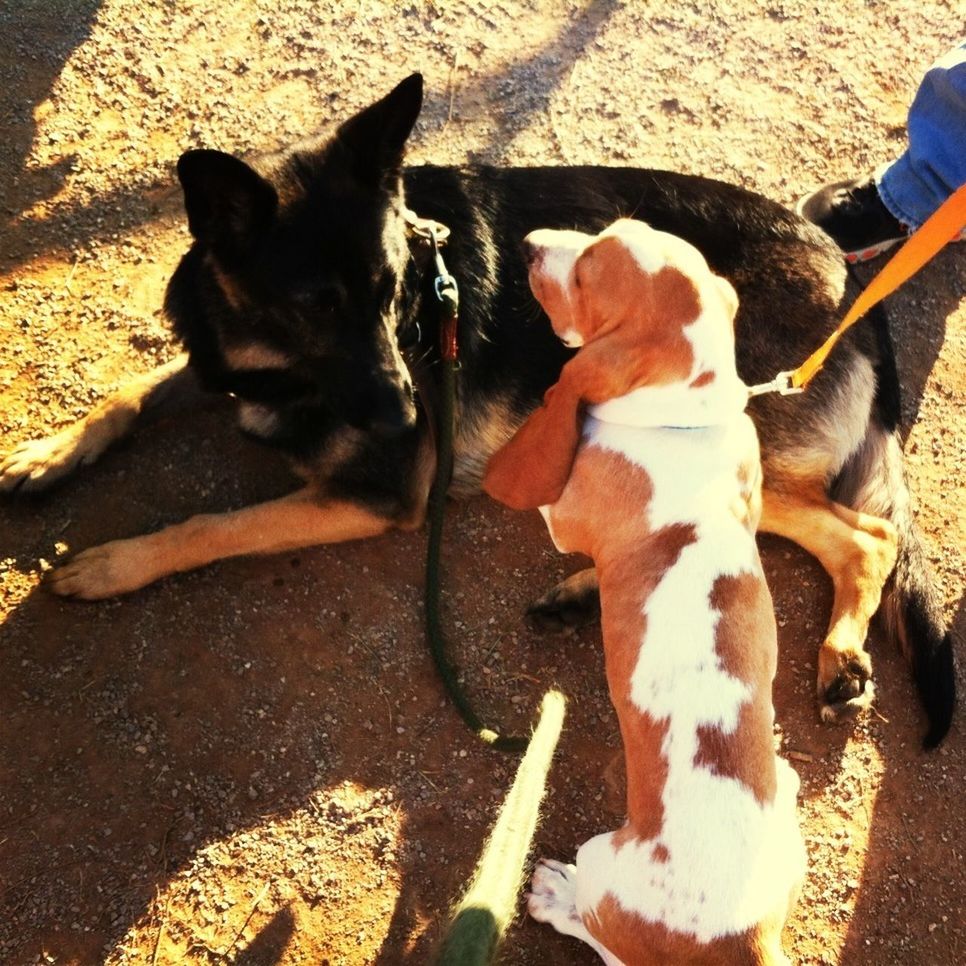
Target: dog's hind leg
point(301, 519)
point(859, 553)
point(553, 899)
point(574, 602)
point(38, 464)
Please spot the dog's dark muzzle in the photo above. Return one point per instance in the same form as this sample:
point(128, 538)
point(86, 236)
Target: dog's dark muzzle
point(390, 411)
point(380, 403)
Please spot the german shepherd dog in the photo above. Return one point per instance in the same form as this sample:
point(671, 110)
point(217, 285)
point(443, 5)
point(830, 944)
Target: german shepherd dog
point(305, 296)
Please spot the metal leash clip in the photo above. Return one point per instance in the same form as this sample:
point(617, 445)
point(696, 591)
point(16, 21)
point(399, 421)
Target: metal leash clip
point(782, 384)
point(445, 284)
point(425, 229)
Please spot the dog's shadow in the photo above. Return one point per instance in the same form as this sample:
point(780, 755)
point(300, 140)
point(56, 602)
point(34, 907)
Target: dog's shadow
point(269, 722)
point(911, 832)
point(918, 318)
point(916, 816)
point(199, 721)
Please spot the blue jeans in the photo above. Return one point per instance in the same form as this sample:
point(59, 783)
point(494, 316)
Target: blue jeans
point(934, 164)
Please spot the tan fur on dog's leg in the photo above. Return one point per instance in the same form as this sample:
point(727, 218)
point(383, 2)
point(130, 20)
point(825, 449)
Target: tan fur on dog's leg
point(37, 464)
point(859, 552)
point(298, 520)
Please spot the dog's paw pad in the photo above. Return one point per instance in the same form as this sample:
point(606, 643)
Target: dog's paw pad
point(842, 711)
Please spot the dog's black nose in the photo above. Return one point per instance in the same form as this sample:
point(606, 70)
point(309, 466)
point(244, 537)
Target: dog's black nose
point(529, 252)
point(391, 412)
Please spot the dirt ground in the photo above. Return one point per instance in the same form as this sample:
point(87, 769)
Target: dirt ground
point(254, 763)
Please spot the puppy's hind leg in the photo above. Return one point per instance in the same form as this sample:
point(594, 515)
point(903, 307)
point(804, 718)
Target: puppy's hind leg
point(553, 899)
point(36, 465)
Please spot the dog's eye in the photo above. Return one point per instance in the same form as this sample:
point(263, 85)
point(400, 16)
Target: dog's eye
point(329, 298)
point(324, 300)
point(385, 287)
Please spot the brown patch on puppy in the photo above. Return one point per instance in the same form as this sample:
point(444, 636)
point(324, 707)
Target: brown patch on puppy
point(615, 292)
point(699, 382)
point(637, 942)
point(631, 561)
point(646, 769)
point(746, 754)
point(623, 308)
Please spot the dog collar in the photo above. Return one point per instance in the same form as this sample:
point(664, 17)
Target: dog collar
point(677, 406)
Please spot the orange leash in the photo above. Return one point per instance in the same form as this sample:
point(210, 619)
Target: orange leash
point(941, 227)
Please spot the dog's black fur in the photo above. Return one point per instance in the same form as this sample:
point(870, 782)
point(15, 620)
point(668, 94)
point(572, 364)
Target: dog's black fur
point(319, 282)
point(308, 264)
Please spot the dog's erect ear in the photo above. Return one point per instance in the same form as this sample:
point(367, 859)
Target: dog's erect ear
point(227, 202)
point(376, 137)
point(533, 468)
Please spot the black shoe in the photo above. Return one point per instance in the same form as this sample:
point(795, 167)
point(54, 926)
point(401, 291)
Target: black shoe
point(853, 214)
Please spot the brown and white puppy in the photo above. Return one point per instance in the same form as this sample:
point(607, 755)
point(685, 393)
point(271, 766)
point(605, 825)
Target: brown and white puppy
point(642, 457)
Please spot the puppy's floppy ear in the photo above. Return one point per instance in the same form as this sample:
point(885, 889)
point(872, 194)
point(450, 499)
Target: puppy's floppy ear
point(376, 137)
point(227, 202)
point(533, 468)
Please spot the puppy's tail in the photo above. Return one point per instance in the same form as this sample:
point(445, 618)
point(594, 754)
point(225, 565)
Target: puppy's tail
point(873, 481)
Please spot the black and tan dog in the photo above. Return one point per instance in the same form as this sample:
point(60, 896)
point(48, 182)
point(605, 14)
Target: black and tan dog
point(301, 296)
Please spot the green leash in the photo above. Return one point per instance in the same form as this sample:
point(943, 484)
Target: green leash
point(448, 295)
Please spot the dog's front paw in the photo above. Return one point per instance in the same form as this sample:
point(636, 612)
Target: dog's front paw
point(573, 603)
point(105, 571)
point(553, 896)
point(844, 685)
point(38, 464)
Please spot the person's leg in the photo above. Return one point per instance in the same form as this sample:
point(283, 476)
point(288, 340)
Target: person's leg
point(868, 215)
point(934, 165)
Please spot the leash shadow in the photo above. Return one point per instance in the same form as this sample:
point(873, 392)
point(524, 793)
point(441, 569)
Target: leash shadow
point(529, 83)
point(36, 51)
point(269, 945)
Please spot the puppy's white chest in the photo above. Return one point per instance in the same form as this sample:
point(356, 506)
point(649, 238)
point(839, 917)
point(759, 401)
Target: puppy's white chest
point(695, 473)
